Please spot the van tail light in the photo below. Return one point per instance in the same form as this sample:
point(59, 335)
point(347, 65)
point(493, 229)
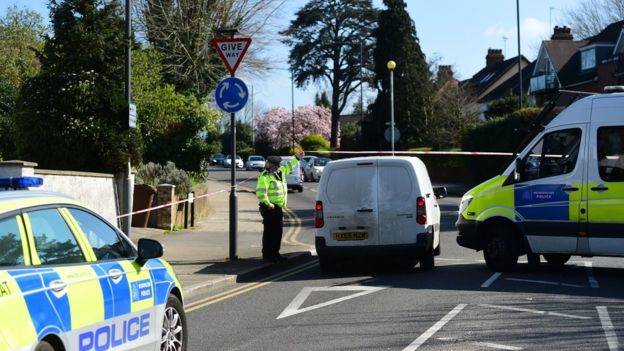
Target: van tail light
point(421, 211)
point(319, 222)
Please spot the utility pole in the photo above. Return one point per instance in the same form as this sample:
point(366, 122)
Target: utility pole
point(361, 80)
point(253, 120)
point(391, 66)
point(292, 106)
point(129, 187)
point(521, 92)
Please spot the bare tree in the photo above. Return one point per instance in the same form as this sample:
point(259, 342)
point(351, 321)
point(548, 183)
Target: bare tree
point(182, 30)
point(591, 16)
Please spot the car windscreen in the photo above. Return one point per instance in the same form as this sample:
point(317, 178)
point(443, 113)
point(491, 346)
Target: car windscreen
point(255, 158)
point(322, 162)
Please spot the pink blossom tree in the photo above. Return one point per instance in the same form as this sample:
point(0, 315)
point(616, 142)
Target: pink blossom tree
point(275, 125)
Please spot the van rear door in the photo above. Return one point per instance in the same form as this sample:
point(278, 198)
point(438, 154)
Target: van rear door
point(397, 203)
point(350, 207)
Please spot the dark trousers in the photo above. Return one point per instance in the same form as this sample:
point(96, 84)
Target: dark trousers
point(273, 221)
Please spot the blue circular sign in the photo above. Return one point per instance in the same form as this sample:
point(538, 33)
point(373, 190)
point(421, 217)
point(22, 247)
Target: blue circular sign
point(231, 95)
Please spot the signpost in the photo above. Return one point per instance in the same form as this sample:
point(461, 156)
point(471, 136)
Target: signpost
point(132, 115)
point(231, 96)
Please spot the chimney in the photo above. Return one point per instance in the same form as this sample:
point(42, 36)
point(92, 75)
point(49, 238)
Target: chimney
point(445, 72)
point(494, 57)
point(562, 33)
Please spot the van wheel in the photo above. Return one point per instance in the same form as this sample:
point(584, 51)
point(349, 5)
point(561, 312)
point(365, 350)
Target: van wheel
point(556, 260)
point(328, 265)
point(438, 250)
point(500, 252)
point(44, 346)
point(428, 260)
point(300, 189)
point(174, 332)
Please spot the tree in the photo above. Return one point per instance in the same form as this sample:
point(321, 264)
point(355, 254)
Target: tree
point(325, 40)
point(321, 99)
point(21, 33)
point(590, 17)
point(76, 103)
point(243, 139)
point(314, 142)
point(397, 40)
point(454, 111)
point(182, 31)
point(173, 126)
point(275, 125)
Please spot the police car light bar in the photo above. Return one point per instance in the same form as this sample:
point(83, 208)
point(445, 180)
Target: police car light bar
point(17, 183)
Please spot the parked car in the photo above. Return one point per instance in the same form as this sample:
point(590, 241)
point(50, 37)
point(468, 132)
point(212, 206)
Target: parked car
point(561, 197)
point(314, 169)
point(255, 162)
point(377, 206)
point(228, 162)
point(294, 180)
point(217, 159)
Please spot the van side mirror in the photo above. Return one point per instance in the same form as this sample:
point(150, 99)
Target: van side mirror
point(518, 169)
point(439, 192)
point(149, 249)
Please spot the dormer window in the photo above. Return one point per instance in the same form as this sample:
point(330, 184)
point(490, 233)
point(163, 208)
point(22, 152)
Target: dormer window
point(588, 59)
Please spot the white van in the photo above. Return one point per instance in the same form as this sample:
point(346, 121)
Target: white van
point(563, 196)
point(377, 206)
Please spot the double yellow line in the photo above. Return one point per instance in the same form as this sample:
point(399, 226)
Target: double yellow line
point(294, 230)
point(248, 287)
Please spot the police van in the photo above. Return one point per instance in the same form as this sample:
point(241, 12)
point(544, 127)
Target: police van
point(563, 196)
point(377, 206)
point(69, 280)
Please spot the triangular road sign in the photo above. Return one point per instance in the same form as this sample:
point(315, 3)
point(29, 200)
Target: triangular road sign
point(231, 51)
point(294, 307)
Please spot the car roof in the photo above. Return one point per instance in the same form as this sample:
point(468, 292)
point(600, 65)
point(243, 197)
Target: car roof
point(580, 111)
point(18, 199)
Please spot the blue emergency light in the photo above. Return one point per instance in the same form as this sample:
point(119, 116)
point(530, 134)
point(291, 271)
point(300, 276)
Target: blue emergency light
point(17, 183)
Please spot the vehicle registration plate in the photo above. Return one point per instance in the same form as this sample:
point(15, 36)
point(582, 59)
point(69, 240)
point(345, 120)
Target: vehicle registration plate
point(351, 235)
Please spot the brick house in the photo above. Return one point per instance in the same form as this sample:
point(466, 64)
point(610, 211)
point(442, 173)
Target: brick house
point(586, 65)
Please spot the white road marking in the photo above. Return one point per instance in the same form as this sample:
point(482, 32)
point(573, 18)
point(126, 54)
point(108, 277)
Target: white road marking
point(491, 280)
point(293, 308)
point(608, 328)
point(590, 275)
point(545, 282)
point(434, 328)
point(490, 345)
point(519, 309)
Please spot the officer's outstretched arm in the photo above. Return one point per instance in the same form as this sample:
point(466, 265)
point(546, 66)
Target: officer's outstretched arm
point(262, 190)
point(290, 166)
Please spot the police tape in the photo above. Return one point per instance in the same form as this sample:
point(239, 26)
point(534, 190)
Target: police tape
point(180, 201)
point(451, 153)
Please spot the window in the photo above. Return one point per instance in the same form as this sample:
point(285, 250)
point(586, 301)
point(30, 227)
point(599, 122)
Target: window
point(352, 186)
point(555, 154)
point(611, 154)
point(588, 59)
point(11, 252)
point(54, 241)
point(395, 185)
point(104, 240)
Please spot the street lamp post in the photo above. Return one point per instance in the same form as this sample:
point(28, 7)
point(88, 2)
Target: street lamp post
point(391, 66)
point(292, 106)
point(521, 92)
point(127, 204)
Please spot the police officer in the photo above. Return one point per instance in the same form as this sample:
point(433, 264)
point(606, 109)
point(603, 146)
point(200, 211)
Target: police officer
point(272, 193)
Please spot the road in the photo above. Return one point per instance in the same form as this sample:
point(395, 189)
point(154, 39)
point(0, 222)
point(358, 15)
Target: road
point(460, 305)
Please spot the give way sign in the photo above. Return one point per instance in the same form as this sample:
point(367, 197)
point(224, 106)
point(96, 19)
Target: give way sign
point(231, 51)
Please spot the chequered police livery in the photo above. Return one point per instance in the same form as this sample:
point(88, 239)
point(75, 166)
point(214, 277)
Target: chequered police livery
point(113, 304)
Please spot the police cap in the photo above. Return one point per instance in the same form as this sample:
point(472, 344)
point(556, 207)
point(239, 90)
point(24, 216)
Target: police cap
point(276, 160)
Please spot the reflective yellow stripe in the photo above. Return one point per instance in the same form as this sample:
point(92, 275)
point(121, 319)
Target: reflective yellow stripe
point(135, 273)
point(17, 328)
point(82, 240)
point(24, 239)
point(83, 281)
point(31, 241)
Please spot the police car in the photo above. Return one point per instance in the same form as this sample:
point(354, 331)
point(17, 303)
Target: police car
point(69, 280)
point(563, 196)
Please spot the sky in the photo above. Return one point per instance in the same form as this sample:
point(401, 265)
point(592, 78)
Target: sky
point(453, 32)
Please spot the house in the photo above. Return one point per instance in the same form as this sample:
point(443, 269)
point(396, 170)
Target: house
point(586, 65)
point(498, 78)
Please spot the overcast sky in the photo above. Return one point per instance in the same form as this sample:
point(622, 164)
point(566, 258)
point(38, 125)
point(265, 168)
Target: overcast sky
point(455, 32)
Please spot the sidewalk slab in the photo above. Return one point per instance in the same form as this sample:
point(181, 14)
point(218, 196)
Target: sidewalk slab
point(199, 255)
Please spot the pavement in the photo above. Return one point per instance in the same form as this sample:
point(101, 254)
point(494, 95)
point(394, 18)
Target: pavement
point(199, 256)
point(370, 305)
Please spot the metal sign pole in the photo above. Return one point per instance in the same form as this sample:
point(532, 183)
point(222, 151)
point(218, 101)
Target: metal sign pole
point(392, 109)
point(233, 196)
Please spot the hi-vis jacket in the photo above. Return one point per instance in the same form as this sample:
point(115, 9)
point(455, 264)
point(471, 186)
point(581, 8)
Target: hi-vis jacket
point(273, 190)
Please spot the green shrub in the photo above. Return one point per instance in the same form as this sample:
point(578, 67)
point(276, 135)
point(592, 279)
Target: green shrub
point(314, 142)
point(154, 174)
